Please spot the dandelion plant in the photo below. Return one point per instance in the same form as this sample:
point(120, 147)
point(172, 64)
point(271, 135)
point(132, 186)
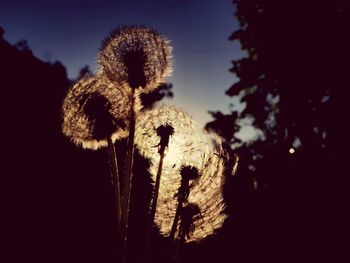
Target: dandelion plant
point(187, 164)
point(94, 116)
point(187, 173)
point(137, 57)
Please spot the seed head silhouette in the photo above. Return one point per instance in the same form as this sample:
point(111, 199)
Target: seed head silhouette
point(137, 56)
point(94, 109)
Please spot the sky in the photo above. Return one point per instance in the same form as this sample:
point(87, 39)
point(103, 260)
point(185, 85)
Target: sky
point(72, 32)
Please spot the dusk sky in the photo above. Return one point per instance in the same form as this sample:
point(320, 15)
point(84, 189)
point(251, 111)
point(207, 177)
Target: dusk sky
point(72, 32)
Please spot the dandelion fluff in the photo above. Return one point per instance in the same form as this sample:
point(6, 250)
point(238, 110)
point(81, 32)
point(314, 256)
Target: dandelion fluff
point(206, 193)
point(137, 56)
point(93, 109)
point(188, 146)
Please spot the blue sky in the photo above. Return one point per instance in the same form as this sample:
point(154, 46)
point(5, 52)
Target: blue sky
point(72, 31)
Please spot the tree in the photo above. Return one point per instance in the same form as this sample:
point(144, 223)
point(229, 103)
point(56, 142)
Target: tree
point(292, 81)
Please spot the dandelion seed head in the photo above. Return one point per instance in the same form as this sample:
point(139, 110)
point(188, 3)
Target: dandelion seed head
point(189, 147)
point(94, 109)
point(181, 142)
point(165, 130)
point(189, 172)
point(137, 56)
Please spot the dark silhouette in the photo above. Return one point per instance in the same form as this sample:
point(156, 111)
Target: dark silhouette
point(84, 72)
point(97, 107)
point(188, 214)
point(187, 173)
point(22, 46)
point(162, 91)
point(187, 217)
point(164, 132)
point(58, 198)
point(135, 69)
point(282, 206)
point(286, 197)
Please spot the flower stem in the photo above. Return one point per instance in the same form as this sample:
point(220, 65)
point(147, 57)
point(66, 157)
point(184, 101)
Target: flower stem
point(113, 158)
point(175, 222)
point(127, 179)
point(156, 188)
point(147, 252)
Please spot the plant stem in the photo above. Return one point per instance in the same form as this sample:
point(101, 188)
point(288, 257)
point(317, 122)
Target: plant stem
point(176, 252)
point(176, 220)
point(128, 178)
point(113, 158)
point(175, 246)
point(153, 208)
point(156, 187)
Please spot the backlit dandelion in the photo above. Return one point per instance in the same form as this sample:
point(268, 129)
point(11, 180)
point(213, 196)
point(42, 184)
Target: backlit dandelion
point(188, 146)
point(95, 114)
point(206, 193)
point(182, 140)
point(164, 132)
point(136, 56)
point(188, 173)
point(188, 214)
point(94, 110)
point(187, 163)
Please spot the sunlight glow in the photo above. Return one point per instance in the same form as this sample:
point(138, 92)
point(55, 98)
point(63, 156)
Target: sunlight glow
point(190, 146)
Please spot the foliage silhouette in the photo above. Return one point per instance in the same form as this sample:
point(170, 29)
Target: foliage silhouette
point(292, 81)
point(162, 91)
point(84, 72)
